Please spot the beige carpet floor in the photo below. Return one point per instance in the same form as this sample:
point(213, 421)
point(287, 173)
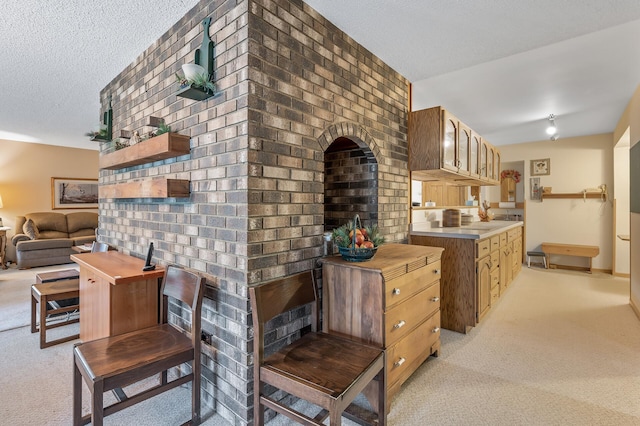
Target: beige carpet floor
point(560, 348)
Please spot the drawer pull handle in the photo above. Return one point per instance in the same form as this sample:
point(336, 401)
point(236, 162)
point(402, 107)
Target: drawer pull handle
point(435, 330)
point(399, 362)
point(436, 271)
point(435, 299)
point(396, 291)
point(399, 324)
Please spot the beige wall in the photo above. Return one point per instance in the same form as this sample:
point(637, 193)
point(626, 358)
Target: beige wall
point(576, 164)
point(26, 170)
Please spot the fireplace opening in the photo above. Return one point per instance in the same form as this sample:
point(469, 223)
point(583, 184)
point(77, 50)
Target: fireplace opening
point(350, 183)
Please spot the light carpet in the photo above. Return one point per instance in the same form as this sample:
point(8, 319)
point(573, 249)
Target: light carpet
point(559, 348)
point(15, 294)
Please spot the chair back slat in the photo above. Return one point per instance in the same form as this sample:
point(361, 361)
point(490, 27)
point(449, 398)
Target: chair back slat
point(182, 285)
point(275, 297)
point(97, 247)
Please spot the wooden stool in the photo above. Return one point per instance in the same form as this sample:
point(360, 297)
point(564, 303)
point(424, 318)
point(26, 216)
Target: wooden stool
point(65, 274)
point(54, 291)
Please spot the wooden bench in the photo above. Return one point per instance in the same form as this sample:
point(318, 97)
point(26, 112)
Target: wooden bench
point(43, 294)
point(571, 250)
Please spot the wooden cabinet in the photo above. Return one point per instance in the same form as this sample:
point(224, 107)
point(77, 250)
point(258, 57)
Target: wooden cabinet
point(392, 301)
point(506, 262)
point(472, 275)
point(441, 147)
point(116, 296)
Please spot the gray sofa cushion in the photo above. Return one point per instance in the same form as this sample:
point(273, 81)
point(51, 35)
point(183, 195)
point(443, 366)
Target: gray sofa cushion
point(82, 224)
point(44, 244)
point(50, 224)
point(30, 229)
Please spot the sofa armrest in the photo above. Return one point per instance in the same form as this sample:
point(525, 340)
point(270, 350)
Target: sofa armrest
point(19, 237)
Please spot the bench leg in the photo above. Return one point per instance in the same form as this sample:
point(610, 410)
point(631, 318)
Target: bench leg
point(33, 314)
point(43, 322)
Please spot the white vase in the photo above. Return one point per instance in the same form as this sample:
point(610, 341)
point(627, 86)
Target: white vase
point(191, 70)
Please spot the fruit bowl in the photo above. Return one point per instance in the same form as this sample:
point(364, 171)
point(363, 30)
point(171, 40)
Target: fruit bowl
point(355, 242)
point(357, 254)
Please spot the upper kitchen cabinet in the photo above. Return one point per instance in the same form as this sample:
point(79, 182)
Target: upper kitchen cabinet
point(443, 148)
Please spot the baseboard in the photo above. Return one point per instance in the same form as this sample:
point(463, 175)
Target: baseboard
point(618, 274)
point(634, 308)
point(578, 268)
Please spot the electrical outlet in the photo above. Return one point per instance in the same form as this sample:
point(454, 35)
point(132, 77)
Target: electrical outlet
point(205, 336)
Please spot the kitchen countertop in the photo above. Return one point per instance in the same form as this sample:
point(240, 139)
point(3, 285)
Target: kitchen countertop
point(474, 231)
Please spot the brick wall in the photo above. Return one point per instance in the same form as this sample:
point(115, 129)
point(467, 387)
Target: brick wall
point(289, 83)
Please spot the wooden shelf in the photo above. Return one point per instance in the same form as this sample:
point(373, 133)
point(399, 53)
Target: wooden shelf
point(166, 145)
point(154, 188)
point(577, 195)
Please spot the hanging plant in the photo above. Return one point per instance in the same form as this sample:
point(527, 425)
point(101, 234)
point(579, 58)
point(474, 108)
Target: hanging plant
point(513, 174)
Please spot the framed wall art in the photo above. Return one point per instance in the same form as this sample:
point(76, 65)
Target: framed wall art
point(72, 193)
point(541, 167)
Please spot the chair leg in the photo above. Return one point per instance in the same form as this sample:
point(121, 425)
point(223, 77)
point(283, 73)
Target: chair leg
point(77, 394)
point(97, 407)
point(382, 397)
point(196, 392)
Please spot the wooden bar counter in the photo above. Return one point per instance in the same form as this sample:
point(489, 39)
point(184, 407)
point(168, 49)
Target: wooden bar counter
point(116, 296)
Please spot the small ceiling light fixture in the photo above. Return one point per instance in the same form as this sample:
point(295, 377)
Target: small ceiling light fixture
point(552, 130)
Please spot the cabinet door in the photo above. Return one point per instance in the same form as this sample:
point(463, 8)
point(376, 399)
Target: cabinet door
point(474, 151)
point(506, 267)
point(483, 159)
point(483, 280)
point(449, 141)
point(496, 166)
point(490, 155)
point(464, 144)
point(95, 315)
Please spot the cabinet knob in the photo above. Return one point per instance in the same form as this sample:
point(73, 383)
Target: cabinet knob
point(399, 324)
point(435, 299)
point(435, 330)
point(399, 362)
point(436, 271)
point(396, 291)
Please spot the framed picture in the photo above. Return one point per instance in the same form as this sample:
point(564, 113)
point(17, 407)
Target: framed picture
point(70, 193)
point(536, 189)
point(541, 167)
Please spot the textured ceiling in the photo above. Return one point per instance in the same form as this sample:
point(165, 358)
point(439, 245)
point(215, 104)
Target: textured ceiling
point(502, 66)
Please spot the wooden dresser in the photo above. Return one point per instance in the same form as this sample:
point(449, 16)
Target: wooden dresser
point(116, 296)
point(391, 301)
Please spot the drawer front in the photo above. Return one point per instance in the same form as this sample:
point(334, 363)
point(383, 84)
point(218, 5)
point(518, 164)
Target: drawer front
point(483, 247)
point(495, 259)
point(400, 289)
point(495, 242)
point(495, 278)
point(503, 239)
point(514, 233)
point(405, 356)
point(405, 317)
point(495, 295)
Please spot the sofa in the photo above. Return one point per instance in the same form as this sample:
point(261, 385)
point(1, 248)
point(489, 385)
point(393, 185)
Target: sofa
point(47, 238)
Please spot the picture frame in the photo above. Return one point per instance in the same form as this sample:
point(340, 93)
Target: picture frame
point(541, 167)
point(74, 193)
point(536, 189)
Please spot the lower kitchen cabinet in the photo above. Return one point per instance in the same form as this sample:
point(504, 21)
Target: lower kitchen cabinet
point(391, 301)
point(476, 271)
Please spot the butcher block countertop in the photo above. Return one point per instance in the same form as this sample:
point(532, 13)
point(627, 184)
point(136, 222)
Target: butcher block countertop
point(474, 231)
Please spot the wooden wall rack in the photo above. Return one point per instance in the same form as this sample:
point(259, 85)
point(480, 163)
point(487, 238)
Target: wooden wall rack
point(576, 195)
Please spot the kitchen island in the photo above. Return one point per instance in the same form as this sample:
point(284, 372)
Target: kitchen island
point(479, 263)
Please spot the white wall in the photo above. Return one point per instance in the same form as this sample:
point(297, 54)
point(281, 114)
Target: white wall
point(576, 164)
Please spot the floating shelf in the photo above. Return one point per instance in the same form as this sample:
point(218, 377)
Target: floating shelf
point(166, 145)
point(578, 195)
point(196, 93)
point(154, 188)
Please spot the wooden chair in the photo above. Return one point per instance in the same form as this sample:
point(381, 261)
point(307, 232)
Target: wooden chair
point(114, 362)
point(327, 370)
